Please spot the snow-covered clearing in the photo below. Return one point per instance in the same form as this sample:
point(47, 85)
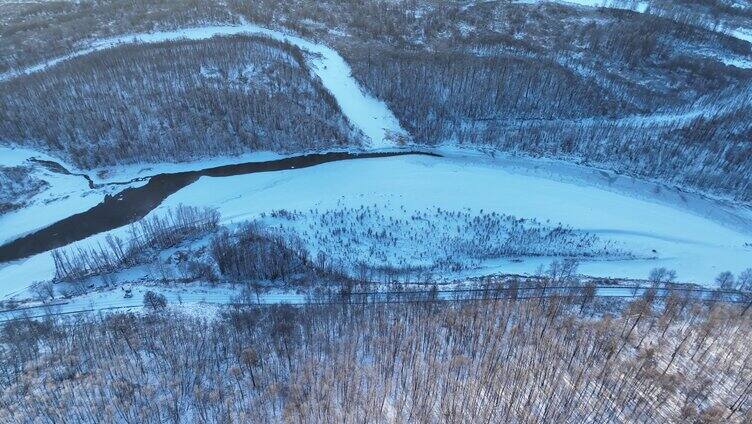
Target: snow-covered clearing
point(203, 300)
point(189, 298)
point(697, 237)
point(365, 112)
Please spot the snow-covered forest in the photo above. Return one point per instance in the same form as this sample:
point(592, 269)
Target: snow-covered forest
point(632, 92)
point(555, 360)
point(522, 106)
point(658, 89)
point(173, 102)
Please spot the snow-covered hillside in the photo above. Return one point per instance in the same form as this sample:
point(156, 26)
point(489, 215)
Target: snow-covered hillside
point(366, 113)
point(636, 6)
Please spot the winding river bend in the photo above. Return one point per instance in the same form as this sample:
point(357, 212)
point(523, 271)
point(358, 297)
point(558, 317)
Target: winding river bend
point(132, 204)
point(698, 236)
point(366, 113)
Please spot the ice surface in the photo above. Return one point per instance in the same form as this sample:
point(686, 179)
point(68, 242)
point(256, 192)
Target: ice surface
point(697, 246)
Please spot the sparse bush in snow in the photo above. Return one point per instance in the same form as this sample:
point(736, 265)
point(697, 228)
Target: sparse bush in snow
point(367, 244)
point(362, 244)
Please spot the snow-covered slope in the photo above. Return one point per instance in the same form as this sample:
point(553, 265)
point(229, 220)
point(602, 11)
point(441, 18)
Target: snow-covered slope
point(365, 112)
point(637, 6)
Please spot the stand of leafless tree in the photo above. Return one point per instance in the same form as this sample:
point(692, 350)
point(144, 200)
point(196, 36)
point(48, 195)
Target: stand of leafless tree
point(486, 361)
point(539, 107)
point(543, 79)
point(174, 101)
point(148, 236)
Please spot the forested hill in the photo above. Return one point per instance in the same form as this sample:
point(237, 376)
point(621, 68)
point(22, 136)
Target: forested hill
point(174, 101)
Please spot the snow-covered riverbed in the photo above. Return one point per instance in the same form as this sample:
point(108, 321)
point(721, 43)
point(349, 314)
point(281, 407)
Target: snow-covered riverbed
point(64, 195)
point(697, 237)
point(696, 242)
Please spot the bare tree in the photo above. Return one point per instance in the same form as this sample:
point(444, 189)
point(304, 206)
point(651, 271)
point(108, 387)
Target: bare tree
point(725, 281)
point(154, 301)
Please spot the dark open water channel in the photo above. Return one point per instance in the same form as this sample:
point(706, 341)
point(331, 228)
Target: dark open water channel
point(132, 204)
